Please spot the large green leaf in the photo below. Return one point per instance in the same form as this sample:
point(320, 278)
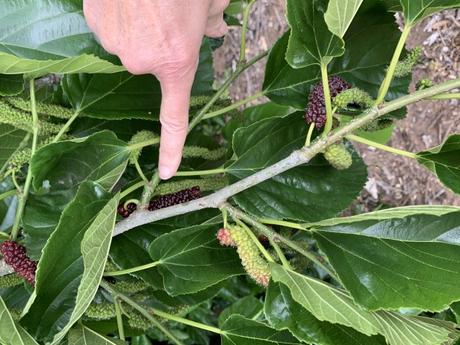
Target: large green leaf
point(411, 262)
point(191, 259)
point(48, 36)
point(371, 40)
point(327, 303)
point(10, 140)
point(340, 14)
point(416, 10)
point(82, 335)
point(11, 85)
point(311, 41)
point(72, 263)
point(444, 161)
point(282, 312)
point(310, 192)
point(10, 332)
point(125, 96)
point(250, 307)
point(242, 331)
point(61, 168)
point(455, 307)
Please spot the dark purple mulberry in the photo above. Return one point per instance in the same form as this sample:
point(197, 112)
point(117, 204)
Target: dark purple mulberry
point(15, 255)
point(126, 211)
point(175, 198)
point(316, 109)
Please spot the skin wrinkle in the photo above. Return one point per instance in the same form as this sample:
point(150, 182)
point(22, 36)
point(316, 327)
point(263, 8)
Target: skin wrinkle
point(162, 38)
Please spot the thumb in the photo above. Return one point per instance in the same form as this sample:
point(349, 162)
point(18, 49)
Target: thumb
point(174, 120)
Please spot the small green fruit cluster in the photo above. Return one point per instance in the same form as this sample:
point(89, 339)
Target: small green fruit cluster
point(101, 311)
point(53, 110)
point(203, 152)
point(352, 99)
point(137, 138)
point(404, 67)
point(338, 156)
point(10, 280)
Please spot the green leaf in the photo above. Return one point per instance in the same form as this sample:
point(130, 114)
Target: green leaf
point(191, 259)
point(283, 313)
point(371, 40)
point(455, 307)
point(10, 333)
point(249, 307)
point(10, 139)
point(327, 303)
point(310, 42)
point(310, 192)
point(125, 96)
point(11, 85)
point(444, 161)
point(411, 262)
point(389, 213)
point(72, 263)
point(82, 335)
point(416, 10)
point(242, 331)
point(340, 14)
point(41, 37)
point(60, 168)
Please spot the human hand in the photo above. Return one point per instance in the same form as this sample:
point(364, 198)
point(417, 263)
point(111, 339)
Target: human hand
point(163, 38)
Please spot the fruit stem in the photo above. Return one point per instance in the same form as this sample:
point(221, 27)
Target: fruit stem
point(281, 255)
point(131, 270)
point(394, 62)
point(202, 172)
point(309, 134)
point(131, 189)
point(117, 295)
point(131, 201)
point(8, 194)
point(254, 239)
point(327, 99)
point(25, 193)
point(273, 235)
point(233, 106)
point(381, 146)
point(140, 172)
point(121, 329)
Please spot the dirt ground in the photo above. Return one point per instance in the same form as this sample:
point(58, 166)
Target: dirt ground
point(393, 180)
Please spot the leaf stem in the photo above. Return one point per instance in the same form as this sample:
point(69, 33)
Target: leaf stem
point(281, 255)
point(25, 192)
point(141, 310)
point(131, 270)
point(140, 172)
point(233, 106)
point(66, 126)
point(284, 223)
point(256, 241)
point(273, 235)
point(8, 194)
point(391, 68)
point(327, 99)
point(309, 134)
point(202, 172)
point(244, 29)
point(132, 188)
point(121, 329)
point(381, 146)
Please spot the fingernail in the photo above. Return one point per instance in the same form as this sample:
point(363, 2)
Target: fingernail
point(166, 173)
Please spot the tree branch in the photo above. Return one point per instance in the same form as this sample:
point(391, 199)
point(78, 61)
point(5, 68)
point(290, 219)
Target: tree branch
point(295, 159)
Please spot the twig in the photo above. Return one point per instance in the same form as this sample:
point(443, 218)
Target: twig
point(296, 158)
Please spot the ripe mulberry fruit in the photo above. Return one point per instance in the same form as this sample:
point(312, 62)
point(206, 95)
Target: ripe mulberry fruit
point(15, 255)
point(175, 198)
point(316, 109)
point(256, 267)
point(338, 156)
point(126, 211)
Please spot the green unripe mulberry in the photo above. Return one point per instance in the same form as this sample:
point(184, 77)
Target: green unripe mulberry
point(101, 311)
point(404, 67)
point(10, 280)
point(338, 156)
point(354, 99)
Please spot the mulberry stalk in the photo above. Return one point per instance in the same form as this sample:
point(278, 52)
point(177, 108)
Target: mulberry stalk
point(256, 267)
point(316, 109)
point(15, 255)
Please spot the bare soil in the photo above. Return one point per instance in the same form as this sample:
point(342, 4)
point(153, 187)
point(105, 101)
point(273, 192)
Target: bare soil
point(393, 180)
